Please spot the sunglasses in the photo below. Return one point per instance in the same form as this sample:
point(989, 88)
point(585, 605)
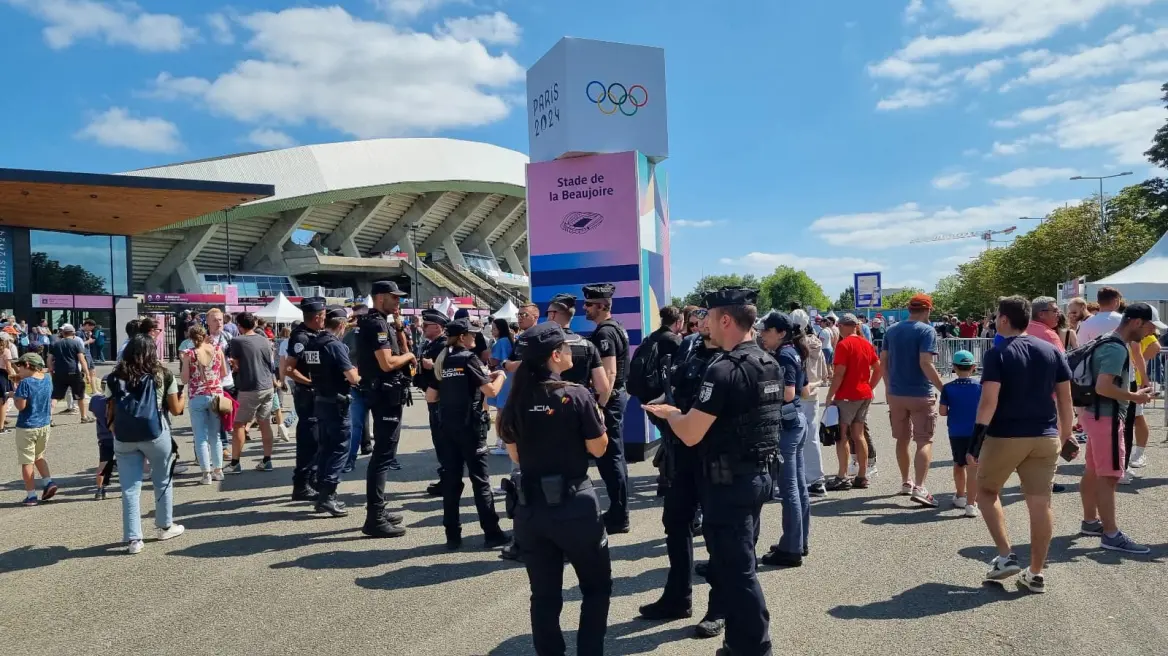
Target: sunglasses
point(524, 314)
point(590, 304)
point(693, 324)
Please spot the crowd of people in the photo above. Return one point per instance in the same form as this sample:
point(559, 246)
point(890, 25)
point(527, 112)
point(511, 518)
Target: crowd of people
point(736, 398)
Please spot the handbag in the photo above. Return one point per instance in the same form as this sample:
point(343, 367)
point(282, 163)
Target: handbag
point(221, 404)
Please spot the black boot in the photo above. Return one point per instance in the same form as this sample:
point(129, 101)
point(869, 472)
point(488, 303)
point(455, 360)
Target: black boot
point(776, 558)
point(453, 539)
point(392, 517)
point(330, 505)
point(495, 540)
point(434, 489)
point(665, 610)
point(379, 527)
point(709, 627)
point(511, 552)
point(305, 493)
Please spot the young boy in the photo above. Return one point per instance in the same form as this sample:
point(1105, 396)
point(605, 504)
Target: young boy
point(959, 399)
point(34, 400)
point(105, 444)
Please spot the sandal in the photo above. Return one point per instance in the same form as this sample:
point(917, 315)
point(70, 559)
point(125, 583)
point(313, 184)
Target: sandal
point(860, 482)
point(838, 484)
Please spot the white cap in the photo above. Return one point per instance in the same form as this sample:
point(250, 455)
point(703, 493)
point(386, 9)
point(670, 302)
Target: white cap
point(800, 318)
point(68, 328)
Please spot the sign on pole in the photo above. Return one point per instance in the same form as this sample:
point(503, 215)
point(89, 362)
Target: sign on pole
point(867, 288)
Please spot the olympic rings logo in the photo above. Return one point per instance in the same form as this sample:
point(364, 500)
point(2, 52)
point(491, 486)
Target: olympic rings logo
point(613, 97)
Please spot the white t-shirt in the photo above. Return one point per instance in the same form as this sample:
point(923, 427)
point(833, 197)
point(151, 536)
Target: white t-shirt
point(1098, 324)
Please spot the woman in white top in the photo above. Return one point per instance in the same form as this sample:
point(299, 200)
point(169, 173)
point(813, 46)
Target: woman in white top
point(815, 366)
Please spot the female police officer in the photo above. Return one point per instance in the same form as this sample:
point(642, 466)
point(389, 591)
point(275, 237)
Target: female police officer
point(551, 427)
point(463, 381)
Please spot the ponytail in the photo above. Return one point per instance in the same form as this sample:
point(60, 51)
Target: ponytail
point(529, 377)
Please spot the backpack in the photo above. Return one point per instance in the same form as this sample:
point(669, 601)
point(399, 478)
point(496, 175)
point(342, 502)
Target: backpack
point(1083, 371)
point(645, 377)
point(138, 416)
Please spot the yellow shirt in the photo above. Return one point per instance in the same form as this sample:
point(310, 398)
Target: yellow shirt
point(1141, 371)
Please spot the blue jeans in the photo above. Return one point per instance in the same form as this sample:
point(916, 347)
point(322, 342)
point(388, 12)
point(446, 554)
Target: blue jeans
point(792, 485)
point(205, 424)
point(132, 457)
point(358, 411)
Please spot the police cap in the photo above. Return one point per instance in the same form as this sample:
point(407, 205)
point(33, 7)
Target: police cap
point(729, 296)
point(461, 327)
point(779, 321)
point(387, 287)
point(566, 301)
point(462, 313)
point(336, 312)
point(434, 316)
point(599, 291)
point(312, 304)
point(540, 341)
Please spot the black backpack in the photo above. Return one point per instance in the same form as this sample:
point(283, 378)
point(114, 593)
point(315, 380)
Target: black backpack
point(1084, 374)
point(646, 372)
point(140, 415)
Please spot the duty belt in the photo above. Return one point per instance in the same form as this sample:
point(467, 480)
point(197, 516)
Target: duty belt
point(334, 398)
point(552, 490)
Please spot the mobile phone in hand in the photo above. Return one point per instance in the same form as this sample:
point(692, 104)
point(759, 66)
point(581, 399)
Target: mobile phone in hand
point(1070, 450)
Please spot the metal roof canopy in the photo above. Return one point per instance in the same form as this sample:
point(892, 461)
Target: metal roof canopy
point(113, 204)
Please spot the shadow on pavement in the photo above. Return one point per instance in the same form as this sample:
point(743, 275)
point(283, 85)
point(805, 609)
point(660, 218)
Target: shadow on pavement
point(256, 544)
point(23, 558)
point(625, 638)
point(925, 600)
point(1068, 549)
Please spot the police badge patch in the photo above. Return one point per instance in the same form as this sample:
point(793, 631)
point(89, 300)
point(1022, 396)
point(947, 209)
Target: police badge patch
point(382, 337)
point(707, 391)
point(297, 348)
point(604, 344)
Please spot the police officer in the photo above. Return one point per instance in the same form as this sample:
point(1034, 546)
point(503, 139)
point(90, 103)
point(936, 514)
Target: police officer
point(383, 362)
point(294, 367)
point(434, 333)
point(612, 342)
point(551, 427)
point(683, 468)
point(333, 376)
point(463, 383)
point(737, 414)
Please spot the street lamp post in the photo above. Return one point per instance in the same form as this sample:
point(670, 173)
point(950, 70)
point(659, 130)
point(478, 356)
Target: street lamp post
point(1101, 178)
point(416, 286)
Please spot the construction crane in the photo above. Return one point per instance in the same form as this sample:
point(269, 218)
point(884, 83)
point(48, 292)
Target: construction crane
point(986, 236)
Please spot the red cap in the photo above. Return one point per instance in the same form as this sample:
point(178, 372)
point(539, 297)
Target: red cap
point(920, 302)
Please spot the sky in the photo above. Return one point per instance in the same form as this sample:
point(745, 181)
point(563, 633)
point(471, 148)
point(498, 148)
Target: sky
point(821, 135)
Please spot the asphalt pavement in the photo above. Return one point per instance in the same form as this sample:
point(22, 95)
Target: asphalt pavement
point(258, 574)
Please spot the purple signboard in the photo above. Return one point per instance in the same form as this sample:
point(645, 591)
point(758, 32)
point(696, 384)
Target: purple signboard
point(61, 301)
point(93, 302)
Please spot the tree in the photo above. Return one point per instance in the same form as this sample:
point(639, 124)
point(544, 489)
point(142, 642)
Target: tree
point(787, 284)
point(677, 302)
point(1158, 153)
point(1145, 203)
point(945, 294)
point(49, 277)
point(717, 281)
point(846, 300)
point(900, 299)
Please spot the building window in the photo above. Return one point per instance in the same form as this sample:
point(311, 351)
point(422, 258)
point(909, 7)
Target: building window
point(67, 263)
point(249, 285)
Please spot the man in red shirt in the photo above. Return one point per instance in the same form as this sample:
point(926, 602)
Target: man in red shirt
point(857, 371)
point(968, 328)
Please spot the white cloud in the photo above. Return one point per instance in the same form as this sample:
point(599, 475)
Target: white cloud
point(408, 8)
point(901, 225)
point(168, 87)
point(983, 71)
point(1121, 33)
point(364, 78)
point(123, 24)
point(1103, 60)
point(496, 28)
point(1152, 69)
point(1018, 145)
point(1031, 177)
point(269, 138)
point(116, 127)
point(689, 223)
point(812, 265)
point(910, 98)
point(220, 29)
point(959, 180)
point(914, 10)
point(900, 69)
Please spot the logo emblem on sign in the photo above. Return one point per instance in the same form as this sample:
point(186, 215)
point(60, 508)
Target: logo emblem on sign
point(578, 223)
point(707, 391)
point(611, 97)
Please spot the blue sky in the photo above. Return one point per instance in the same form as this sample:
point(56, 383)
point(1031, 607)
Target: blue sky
point(823, 135)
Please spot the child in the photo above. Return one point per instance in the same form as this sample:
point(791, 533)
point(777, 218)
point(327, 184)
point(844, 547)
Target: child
point(34, 400)
point(959, 399)
point(105, 444)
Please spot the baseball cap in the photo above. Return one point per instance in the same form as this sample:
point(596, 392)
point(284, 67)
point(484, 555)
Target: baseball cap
point(33, 360)
point(920, 302)
point(68, 328)
point(963, 358)
point(849, 319)
point(1145, 312)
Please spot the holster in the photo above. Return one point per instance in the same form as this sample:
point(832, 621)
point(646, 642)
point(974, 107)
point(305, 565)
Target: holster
point(510, 497)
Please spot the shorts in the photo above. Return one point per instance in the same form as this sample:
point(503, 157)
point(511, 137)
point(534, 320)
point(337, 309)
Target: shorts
point(827, 353)
point(276, 400)
point(71, 382)
point(254, 406)
point(1100, 444)
point(853, 412)
point(105, 450)
point(30, 444)
point(913, 417)
point(1034, 458)
point(1139, 409)
point(5, 385)
point(960, 448)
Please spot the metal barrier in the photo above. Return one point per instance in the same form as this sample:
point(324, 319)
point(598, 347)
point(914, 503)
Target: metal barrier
point(947, 347)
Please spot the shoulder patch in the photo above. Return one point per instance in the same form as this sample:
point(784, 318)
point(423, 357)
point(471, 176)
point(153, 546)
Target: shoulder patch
point(382, 337)
point(605, 344)
point(297, 348)
point(707, 391)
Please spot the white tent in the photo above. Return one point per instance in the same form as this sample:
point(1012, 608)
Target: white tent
point(281, 310)
point(508, 312)
point(445, 306)
point(1145, 280)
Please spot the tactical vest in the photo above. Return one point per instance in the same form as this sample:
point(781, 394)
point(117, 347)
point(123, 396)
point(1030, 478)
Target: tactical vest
point(754, 432)
point(327, 379)
point(579, 372)
point(622, 353)
point(687, 374)
point(457, 400)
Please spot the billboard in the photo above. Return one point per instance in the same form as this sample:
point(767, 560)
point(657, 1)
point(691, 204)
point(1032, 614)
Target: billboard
point(867, 289)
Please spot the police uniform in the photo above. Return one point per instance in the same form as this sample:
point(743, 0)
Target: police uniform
point(585, 356)
point(743, 390)
point(558, 513)
point(328, 360)
point(304, 475)
point(611, 340)
point(683, 468)
point(427, 379)
point(463, 439)
point(384, 392)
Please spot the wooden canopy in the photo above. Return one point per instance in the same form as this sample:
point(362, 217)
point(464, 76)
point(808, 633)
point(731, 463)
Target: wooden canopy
point(112, 204)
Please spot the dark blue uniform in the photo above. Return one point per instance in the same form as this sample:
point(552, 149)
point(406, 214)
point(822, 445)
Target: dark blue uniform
point(559, 513)
point(328, 360)
point(384, 392)
point(426, 379)
point(611, 340)
point(304, 475)
point(743, 389)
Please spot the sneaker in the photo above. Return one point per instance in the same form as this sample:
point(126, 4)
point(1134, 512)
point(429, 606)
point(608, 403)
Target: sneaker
point(265, 466)
point(99, 495)
point(49, 492)
point(69, 411)
point(1127, 478)
point(1032, 582)
point(906, 489)
point(972, 511)
point(817, 490)
point(960, 502)
point(135, 547)
point(205, 479)
point(853, 467)
point(233, 469)
point(872, 469)
point(1091, 529)
point(393, 464)
point(1058, 487)
point(921, 495)
point(1123, 543)
point(349, 467)
point(662, 609)
point(173, 531)
point(1002, 568)
point(1138, 463)
point(217, 475)
point(30, 500)
point(5, 431)
point(709, 627)
point(1081, 438)
point(180, 469)
point(498, 451)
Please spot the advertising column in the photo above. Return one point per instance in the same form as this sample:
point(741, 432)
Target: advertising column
point(596, 204)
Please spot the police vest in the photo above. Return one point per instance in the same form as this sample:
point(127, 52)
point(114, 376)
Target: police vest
point(754, 430)
point(581, 350)
point(297, 342)
point(458, 402)
point(622, 352)
point(373, 331)
point(327, 377)
point(686, 377)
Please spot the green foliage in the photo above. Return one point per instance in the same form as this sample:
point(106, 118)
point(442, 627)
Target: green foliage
point(945, 295)
point(1158, 153)
point(717, 281)
point(846, 300)
point(1145, 203)
point(677, 302)
point(52, 278)
point(787, 284)
point(900, 299)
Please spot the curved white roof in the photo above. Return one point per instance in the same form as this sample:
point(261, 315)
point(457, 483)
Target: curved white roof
point(323, 168)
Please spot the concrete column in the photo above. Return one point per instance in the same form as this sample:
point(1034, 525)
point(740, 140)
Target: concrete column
point(477, 240)
point(452, 252)
point(417, 212)
point(188, 277)
point(514, 262)
point(342, 238)
point(186, 250)
point(271, 245)
point(469, 206)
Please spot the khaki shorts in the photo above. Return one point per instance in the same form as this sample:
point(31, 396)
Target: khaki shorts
point(254, 406)
point(913, 417)
point(1034, 458)
point(853, 412)
point(30, 444)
